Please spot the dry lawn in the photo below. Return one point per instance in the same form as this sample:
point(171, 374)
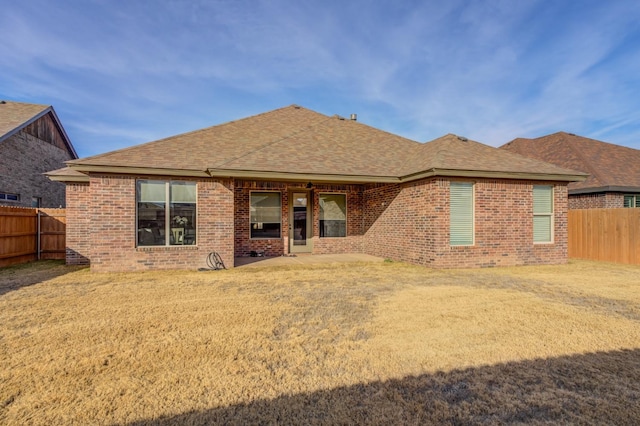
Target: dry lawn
point(336, 343)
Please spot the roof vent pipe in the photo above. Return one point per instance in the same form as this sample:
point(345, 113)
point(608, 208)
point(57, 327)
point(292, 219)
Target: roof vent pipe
point(354, 117)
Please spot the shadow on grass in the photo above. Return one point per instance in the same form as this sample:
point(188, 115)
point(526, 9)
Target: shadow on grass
point(595, 388)
point(19, 276)
point(242, 261)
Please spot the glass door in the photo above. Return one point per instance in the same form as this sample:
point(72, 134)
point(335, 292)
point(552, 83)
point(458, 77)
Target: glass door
point(299, 222)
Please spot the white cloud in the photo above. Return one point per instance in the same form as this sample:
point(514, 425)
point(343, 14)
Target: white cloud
point(491, 70)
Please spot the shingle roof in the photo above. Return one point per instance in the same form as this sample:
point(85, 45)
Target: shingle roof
point(16, 115)
point(611, 167)
point(291, 139)
point(330, 145)
point(295, 140)
point(451, 152)
point(67, 174)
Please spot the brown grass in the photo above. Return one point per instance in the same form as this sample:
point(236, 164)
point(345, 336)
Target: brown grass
point(338, 343)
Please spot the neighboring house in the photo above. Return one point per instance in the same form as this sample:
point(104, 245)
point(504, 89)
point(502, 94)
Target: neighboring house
point(32, 142)
point(614, 170)
point(293, 181)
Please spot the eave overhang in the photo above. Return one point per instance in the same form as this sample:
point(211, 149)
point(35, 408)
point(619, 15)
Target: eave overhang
point(324, 177)
point(302, 177)
point(126, 170)
point(610, 188)
point(494, 175)
point(69, 179)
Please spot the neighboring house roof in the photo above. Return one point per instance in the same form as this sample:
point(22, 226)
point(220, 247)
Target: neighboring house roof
point(297, 143)
point(15, 116)
point(610, 167)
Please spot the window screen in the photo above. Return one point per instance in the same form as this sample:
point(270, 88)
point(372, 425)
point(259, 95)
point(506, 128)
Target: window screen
point(461, 214)
point(542, 213)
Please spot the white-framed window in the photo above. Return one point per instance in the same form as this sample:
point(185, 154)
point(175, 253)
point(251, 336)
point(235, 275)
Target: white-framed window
point(632, 200)
point(542, 213)
point(333, 215)
point(461, 214)
point(265, 214)
point(166, 212)
point(7, 196)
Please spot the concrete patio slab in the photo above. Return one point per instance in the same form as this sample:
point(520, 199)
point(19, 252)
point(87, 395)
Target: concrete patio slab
point(302, 259)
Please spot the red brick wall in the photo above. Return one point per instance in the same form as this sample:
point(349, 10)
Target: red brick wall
point(601, 200)
point(244, 245)
point(411, 223)
point(397, 221)
point(112, 232)
point(408, 222)
point(504, 228)
point(78, 230)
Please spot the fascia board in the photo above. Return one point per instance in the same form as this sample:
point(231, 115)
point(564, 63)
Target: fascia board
point(494, 175)
point(312, 177)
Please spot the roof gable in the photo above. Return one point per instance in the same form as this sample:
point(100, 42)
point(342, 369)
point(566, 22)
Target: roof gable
point(610, 167)
point(40, 121)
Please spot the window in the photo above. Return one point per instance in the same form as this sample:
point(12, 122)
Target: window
point(333, 215)
point(36, 202)
point(632, 200)
point(9, 197)
point(166, 212)
point(542, 214)
point(461, 214)
point(266, 214)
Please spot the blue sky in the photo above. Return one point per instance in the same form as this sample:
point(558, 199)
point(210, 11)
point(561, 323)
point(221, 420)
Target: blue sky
point(120, 73)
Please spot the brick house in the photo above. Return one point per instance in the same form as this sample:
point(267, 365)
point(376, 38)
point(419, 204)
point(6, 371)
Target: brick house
point(293, 181)
point(32, 142)
point(614, 170)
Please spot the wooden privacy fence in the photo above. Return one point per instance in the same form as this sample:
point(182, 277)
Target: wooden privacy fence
point(28, 234)
point(611, 235)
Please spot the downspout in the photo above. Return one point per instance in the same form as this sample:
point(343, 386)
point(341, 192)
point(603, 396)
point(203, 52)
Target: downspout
point(38, 235)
